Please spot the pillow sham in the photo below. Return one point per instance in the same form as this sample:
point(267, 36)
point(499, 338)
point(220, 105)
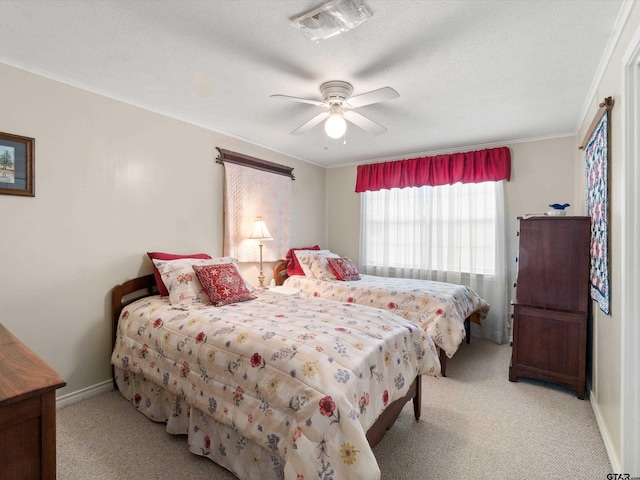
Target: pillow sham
point(344, 269)
point(293, 266)
point(162, 288)
point(183, 284)
point(223, 284)
point(314, 264)
point(181, 281)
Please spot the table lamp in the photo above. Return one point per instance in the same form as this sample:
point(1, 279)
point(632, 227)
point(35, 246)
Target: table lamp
point(261, 233)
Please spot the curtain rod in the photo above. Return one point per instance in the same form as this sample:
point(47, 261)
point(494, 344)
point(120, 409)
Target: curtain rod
point(605, 106)
point(252, 162)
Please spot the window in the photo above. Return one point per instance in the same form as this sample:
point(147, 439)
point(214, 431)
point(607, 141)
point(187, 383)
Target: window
point(449, 228)
point(440, 218)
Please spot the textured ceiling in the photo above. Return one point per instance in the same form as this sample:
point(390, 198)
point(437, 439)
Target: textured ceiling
point(468, 72)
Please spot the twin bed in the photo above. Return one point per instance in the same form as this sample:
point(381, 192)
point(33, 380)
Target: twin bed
point(270, 385)
point(444, 310)
point(278, 386)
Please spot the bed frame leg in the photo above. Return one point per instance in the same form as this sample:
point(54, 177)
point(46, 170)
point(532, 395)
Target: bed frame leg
point(443, 362)
point(417, 399)
point(467, 328)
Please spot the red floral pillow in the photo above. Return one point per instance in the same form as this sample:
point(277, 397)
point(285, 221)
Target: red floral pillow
point(223, 284)
point(162, 288)
point(344, 269)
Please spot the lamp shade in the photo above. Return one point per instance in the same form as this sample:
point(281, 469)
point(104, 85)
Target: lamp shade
point(260, 231)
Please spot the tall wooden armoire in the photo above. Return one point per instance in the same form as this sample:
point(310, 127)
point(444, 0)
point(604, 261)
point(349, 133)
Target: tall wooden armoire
point(551, 301)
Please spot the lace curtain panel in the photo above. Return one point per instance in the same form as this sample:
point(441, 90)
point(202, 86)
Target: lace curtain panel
point(449, 233)
point(249, 193)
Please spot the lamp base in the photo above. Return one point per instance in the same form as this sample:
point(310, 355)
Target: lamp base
point(260, 275)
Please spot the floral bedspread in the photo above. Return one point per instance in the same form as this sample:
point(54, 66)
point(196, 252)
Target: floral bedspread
point(303, 378)
point(439, 308)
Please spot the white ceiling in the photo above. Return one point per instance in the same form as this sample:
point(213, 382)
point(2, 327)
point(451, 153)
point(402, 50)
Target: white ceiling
point(472, 72)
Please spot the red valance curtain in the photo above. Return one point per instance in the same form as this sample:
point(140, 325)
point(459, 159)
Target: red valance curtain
point(492, 164)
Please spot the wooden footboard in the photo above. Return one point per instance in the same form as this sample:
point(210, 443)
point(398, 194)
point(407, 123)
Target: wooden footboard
point(132, 290)
point(391, 413)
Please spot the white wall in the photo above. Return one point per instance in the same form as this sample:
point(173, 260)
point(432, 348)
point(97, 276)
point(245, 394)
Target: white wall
point(606, 391)
point(112, 182)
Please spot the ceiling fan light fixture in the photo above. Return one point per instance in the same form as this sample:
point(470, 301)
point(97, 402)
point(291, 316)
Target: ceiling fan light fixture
point(336, 96)
point(331, 18)
point(336, 125)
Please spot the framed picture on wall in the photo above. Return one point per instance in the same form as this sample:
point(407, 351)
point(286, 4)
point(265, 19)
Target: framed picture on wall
point(16, 165)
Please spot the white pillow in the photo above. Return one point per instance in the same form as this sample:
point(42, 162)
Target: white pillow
point(182, 282)
point(314, 263)
point(304, 259)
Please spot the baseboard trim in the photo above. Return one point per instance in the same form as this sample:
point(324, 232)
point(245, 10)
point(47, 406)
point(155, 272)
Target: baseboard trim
point(614, 459)
point(83, 394)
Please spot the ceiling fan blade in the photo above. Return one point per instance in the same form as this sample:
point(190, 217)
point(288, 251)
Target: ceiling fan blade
point(305, 127)
point(302, 100)
point(364, 123)
point(375, 96)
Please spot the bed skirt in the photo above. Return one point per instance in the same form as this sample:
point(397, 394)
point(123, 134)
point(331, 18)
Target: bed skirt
point(207, 437)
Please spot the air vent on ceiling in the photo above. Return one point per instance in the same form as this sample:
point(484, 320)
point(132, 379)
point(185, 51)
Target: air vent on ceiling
point(331, 18)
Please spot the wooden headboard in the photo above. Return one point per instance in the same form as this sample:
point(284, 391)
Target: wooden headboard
point(280, 272)
point(126, 293)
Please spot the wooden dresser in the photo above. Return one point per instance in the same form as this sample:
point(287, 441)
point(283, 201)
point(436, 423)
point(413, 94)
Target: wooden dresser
point(27, 412)
point(551, 301)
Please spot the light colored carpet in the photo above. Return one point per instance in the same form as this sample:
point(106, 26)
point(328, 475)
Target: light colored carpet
point(475, 425)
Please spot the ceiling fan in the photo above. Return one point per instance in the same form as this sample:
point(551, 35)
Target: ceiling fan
point(337, 99)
